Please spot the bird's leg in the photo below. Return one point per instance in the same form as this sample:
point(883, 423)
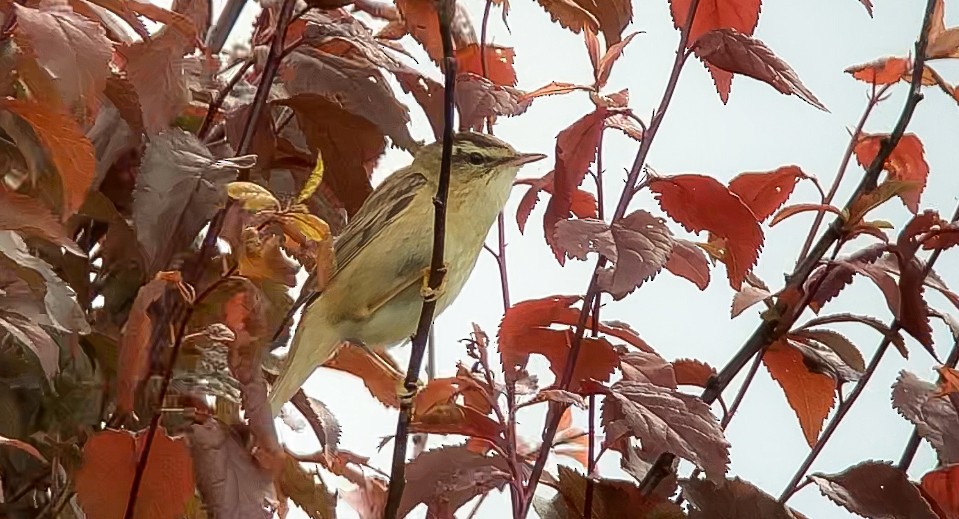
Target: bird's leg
point(432, 294)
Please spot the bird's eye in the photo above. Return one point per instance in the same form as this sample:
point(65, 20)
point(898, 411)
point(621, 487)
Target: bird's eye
point(476, 159)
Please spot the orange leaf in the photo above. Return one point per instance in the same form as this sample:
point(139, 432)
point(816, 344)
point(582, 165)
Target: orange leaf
point(499, 63)
point(883, 71)
point(949, 381)
point(575, 151)
point(906, 163)
point(583, 204)
point(105, 476)
point(942, 485)
point(811, 395)
point(447, 418)
point(554, 88)
point(526, 330)
point(382, 382)
point(423, 25)
point(763, 193)
point(692, 372)
point(65, 144)
point(742, 15)
point(700, 203)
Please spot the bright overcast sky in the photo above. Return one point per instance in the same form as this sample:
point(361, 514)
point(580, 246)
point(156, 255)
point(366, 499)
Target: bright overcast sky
point(758, 130)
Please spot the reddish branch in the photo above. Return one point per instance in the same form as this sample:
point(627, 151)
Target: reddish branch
point(769, 331)
point(632, 180)
point(445, 10)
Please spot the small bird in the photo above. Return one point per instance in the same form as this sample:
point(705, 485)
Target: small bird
point(375, 294)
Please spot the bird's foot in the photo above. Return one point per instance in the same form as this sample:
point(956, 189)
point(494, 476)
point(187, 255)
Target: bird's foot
point(406, 396)
point(432, 294)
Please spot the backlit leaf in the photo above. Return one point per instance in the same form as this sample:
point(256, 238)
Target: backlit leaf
point(499, 63)
point(111, 456)
point(575, 151)
point(883, 71)
point(688, 261)
point(765, 192)
point(942, 485)
point(700, 203)
point(253, 197)
point(811, 395)
point(906, 163)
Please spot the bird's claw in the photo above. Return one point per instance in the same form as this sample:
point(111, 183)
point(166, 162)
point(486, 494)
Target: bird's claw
point(406, 396)
point(432, 294)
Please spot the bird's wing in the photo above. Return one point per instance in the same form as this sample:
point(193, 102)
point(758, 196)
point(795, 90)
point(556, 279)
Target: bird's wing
point(381, 208)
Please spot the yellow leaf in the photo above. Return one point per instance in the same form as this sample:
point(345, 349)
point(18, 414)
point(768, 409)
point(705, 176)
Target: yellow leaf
point(309, 225)
point(313, 182)
point(254, 197)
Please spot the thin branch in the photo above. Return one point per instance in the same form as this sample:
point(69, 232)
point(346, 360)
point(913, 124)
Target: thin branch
point(847, 404)
point(445, 10)
point(555, 412)
point(220, 97)
point(874, 99)
point(219, 33)
point(164, 388)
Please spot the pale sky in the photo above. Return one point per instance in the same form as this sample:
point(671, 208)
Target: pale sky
point(758, 130)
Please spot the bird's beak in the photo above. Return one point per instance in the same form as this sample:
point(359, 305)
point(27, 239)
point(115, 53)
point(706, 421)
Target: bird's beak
point(525, 158)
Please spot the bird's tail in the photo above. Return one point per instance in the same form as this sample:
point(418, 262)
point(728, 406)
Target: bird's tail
point(313, 344)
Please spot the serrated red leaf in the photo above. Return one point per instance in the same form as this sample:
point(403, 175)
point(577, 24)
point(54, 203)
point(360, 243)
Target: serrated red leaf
point(575, 151)
point(106, 474)
point(499, 63)
point(526, 330)
point(883, 71)
point(811, 395)
point(700, 203)
point(742, 15)
point(906, 163)
point(765, 192)
point(829, 280)
point(733, 51)
point(914, 311)
point(583, 203)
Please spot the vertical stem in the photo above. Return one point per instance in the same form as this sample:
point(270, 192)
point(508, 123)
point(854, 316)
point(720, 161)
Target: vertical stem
point(445, 10)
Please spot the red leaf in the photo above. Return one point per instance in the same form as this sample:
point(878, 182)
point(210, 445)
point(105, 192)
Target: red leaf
point(810, 395)
point(689, 261)
point(883, 71)
point(499, 63)
point(526, 329)
point(906, 163)
point(944, 237)
point(765, 192)
point(742, 15)
point(942, 485)
point(700, 203)
point(575, 151)
point(378, 379)
point(733, 51)
point(109, 461)
point(914, 311)
point(746, 297)
point(605, 65)
point(583, 203)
